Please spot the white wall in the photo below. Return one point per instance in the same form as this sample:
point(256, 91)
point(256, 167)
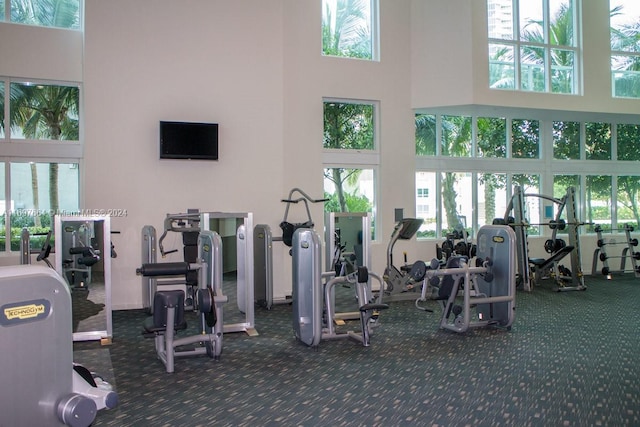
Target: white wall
point(211, 61)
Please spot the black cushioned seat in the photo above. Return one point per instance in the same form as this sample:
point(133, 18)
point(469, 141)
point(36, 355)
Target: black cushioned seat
point(162, 301)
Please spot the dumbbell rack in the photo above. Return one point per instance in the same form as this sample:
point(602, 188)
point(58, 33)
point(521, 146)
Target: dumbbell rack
point(600, 254)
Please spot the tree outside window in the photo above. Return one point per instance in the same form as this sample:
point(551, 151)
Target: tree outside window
point(348, 28)
point(625, 48)
point(46, 113)
point(44, 13)
point(349, 128)
point(533, 53)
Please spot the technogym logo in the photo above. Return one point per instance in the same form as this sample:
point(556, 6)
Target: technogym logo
point(24, 311)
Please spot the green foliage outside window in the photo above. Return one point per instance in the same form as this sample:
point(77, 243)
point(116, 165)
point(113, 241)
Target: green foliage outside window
point(46, 13)
point(346, 28)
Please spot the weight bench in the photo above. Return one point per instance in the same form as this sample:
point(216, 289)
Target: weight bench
point(541, 264)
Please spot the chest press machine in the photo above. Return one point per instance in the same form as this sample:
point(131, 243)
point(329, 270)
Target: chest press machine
point(313, 307)
point(168, 306)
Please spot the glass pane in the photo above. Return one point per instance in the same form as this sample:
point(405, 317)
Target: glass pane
point(457, 202)
point(500, 19)
point(525, 138)
point(628, 208)
point(562, 71)
point(502, 68)
point(2, 10)
point(29, 102)
point(624, 18)
point(33, 203)
point(426, 204)
point(456, 136)
point(348, 126)
point(60, 13)
point(425, 135)
point(628, 142)
point(598, 141)
point(598, 201)
point(532, 68)
point(350, 190)
point(562, 28)
point(531, 19)
point(625, 76)
point(560, 185)
point(492, 137)
point(530, 185)
point(3, 208)
point(566, 140)
point(492, 197)
point(347, 28)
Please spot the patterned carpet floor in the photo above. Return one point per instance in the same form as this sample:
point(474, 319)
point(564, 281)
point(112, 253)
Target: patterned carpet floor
point(570, 359)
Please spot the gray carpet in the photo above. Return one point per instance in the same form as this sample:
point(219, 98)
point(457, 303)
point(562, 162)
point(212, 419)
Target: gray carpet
point(571, 359)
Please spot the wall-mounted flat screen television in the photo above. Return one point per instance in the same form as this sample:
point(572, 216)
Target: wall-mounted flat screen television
point(188, 140)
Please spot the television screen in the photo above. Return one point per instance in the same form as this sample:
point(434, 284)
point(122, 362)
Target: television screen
point(187, 140)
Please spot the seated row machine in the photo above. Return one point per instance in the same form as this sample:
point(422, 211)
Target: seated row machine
point(478, 296)
point(168, 306)
point(310, 324)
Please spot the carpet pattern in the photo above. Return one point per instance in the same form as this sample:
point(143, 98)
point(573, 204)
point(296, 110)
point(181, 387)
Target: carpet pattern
point(571, 359)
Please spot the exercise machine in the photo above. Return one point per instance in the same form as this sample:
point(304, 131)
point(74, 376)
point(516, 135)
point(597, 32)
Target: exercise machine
point(403, 283)
point(263, 240)
point(313, 307)
point(532, 270)
point(42, 385)
point(477, 296)
point(236, 232)
point(168, 314)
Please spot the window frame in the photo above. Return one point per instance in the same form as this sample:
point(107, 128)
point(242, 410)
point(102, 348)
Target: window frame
point(359, 159)
point(517, 44)
point(24, 150)
point(374, 40)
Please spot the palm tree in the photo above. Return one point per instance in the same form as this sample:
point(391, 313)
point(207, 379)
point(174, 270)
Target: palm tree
point(626, 39)
point(348, 32)
point(47, 13)
point(45, 112)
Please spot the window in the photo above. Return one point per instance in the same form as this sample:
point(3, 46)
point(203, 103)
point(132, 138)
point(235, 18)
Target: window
point(426, 208)
point(533, 45)
point(525, 139)
point(469, 192)
point(41, 116)
point(350, 157)
point(628, 142)
point(456, 136)
point(349, 28)
point(44, 13)
point(598, 201)
point(625, 48)
point(598, 141)
point(492, 137)
point(566, 140)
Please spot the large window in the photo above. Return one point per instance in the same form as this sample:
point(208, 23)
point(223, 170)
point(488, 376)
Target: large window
point(349, 28)
point(533, 45)
point(544, 157)
point(625, 48)
point(45, 13)
point(350, 157)
point(40, 137)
